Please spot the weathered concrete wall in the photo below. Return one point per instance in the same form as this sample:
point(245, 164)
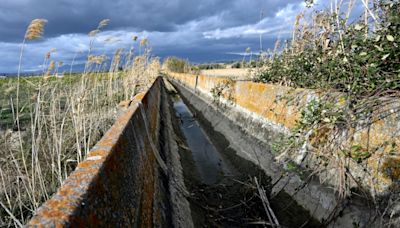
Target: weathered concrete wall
point(261, 112)
point(279, 108)
point(122, 181)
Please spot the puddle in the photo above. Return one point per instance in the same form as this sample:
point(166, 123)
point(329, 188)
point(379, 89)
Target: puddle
point(209, 162)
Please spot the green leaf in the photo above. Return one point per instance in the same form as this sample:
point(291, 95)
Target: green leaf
point(379, 48)
point(390, 38)
point(385, 56)
point(358, 27)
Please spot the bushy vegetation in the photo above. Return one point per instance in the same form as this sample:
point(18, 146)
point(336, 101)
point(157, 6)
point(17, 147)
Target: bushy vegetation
point(211, 66)
point(177, 65)
point(245, 64)
point(49, 123)
point(356, 66)
point(359, 58)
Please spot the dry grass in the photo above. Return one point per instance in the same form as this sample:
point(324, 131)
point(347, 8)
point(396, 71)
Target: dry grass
point(35, 29)
point(63, 118)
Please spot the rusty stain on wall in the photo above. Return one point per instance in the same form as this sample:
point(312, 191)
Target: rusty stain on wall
point(270, 102)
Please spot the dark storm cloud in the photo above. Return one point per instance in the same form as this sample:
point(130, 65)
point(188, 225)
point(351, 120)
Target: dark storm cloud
point(81, 16)
point(197, 30)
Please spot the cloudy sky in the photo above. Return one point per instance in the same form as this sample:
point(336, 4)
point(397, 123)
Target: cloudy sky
point(198, 30)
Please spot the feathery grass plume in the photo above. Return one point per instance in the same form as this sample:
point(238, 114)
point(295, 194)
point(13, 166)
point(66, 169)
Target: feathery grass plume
point(48, 54)
point(47, 58)
point(97, 59)
point(117, 55)
point(277, 46)
point(296, 27)
point(35, 29)
point(51, 67)
point(116, 60)
point(134, 38)
point(91, 58)
point(93, 33)
point(103, 23)
point(144, 42)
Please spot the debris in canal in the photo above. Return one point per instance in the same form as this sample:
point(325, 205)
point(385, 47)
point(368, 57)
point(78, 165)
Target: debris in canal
point(226, 191)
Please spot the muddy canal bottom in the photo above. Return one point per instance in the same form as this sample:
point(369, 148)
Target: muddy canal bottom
point(209, 163)
point(221, 185)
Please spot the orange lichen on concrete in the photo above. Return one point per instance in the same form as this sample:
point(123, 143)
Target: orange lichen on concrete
point(137, 98)
point(283, 105)
point(187, 79)
point(116, 184)
point(98, 152)
point(258, 98)
point(379, 133)
point(263, 100)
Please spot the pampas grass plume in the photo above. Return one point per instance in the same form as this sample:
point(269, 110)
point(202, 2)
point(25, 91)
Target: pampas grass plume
point(35, 29)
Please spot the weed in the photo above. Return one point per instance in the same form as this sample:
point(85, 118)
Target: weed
point(223, 89)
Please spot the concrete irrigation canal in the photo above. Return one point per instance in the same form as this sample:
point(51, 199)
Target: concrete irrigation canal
point(195, 151)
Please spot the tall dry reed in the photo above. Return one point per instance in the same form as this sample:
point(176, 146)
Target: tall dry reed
point(64, 117)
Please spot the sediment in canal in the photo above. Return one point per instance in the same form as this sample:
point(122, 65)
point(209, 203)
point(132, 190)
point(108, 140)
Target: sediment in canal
point(226, 123)
point(221, 184)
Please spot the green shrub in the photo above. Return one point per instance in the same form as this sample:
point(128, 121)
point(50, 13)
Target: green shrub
point(357, 66)
point(348, 62)
point(177, 65)
point(211, 66)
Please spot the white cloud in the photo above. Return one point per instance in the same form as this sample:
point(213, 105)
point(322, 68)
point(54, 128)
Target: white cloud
point(211, 33)
point(279, 25)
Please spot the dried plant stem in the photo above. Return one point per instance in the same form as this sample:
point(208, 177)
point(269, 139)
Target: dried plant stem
point(368, 11)
point(16, 221)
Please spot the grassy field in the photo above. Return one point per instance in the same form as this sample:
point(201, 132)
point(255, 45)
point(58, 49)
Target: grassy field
point(28, 86)
point(60, 119)
point(49, 123)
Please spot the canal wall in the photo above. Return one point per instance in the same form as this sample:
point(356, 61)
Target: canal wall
point(253, 116)
point(131, 177)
